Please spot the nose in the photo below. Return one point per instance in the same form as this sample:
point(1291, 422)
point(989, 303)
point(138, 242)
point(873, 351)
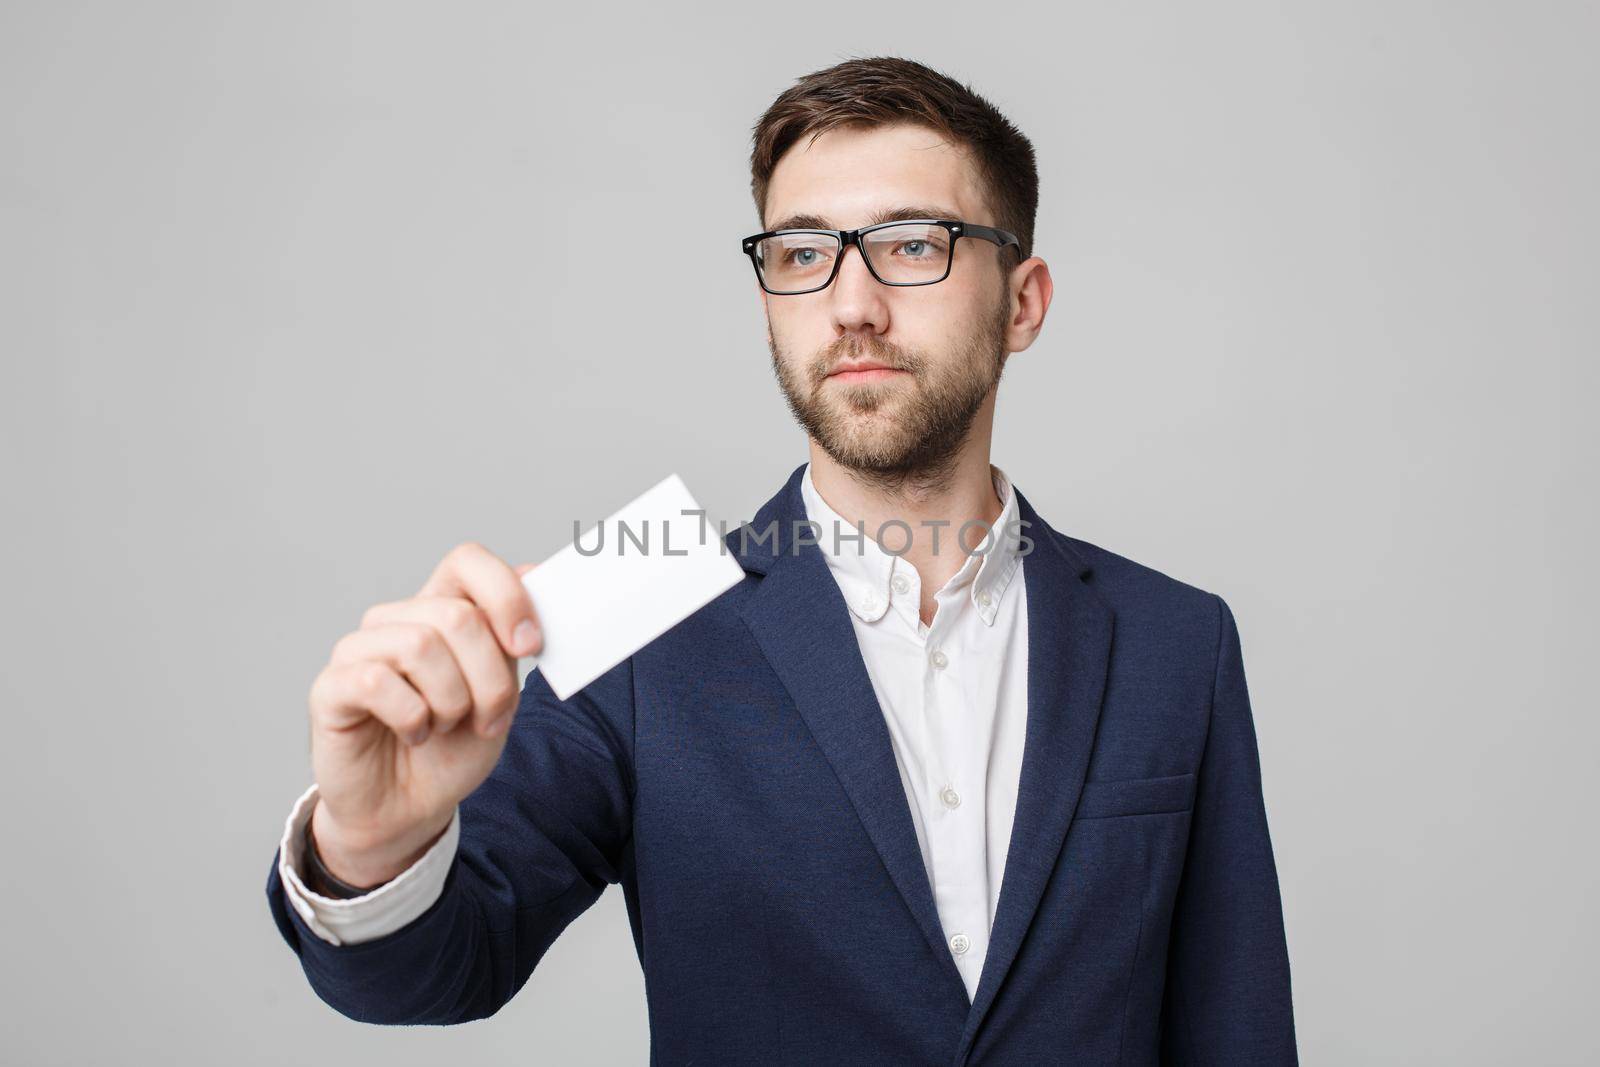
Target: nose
point(857, 298)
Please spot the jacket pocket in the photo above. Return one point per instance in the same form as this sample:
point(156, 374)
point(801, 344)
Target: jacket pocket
point(1136, 796)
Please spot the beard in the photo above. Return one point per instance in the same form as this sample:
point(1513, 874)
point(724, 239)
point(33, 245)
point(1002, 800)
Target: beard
point(905, 431)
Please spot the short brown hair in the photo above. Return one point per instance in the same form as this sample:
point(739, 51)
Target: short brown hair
point(882, 90)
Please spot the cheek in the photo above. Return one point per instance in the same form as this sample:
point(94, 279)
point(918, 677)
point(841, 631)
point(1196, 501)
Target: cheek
point(793, 326)
point(952, 298)
point(793, 361)
point(935, 321)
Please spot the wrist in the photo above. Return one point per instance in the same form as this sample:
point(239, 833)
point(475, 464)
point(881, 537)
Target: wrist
point(359, 864)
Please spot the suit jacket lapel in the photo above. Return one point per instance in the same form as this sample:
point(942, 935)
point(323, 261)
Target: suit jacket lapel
point(1069, 649)
point(799, 617)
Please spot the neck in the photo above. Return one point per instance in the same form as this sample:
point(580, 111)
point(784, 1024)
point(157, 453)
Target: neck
point(961, 491)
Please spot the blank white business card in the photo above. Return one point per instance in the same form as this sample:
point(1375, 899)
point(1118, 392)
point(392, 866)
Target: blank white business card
point(640, 573)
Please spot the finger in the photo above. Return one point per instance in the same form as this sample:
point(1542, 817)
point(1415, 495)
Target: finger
point(490, 674)
point(421, 655)
point(473, 572)
point(350, 693)
point(524, 568)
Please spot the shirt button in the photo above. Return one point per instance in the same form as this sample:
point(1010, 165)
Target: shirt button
point(960, 943)
point(951, 798)
point(939, 659)
point(983, 598)
point(869, 603)
point(901, 583)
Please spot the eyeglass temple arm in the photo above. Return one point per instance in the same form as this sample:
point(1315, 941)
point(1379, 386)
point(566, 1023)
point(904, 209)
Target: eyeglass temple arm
point(989, 233)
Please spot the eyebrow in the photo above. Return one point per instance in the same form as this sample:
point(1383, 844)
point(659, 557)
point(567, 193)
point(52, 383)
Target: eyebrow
point(893, 214)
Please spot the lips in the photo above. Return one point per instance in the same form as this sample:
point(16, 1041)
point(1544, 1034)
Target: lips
point(860, 365)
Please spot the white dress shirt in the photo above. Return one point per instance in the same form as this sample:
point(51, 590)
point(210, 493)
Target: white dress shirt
point(954, 695)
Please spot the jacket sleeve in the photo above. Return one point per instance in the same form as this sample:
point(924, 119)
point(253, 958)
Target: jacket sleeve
point(539, 841)
point(1227, 997)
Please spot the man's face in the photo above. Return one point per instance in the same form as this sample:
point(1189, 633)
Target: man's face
point(945, 344)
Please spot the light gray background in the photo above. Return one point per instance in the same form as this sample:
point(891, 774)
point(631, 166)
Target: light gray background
point(295, 297)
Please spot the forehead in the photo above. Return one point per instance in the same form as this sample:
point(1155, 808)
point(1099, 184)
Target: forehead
point(848, 176)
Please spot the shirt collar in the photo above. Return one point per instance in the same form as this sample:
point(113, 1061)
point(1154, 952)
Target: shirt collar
point(867, 573)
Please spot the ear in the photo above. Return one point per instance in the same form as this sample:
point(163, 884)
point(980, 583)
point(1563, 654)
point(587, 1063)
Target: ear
point(1032, 290)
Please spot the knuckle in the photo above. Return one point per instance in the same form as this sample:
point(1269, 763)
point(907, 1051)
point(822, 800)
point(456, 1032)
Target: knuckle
point(413, 718)
point(348, 650)
point(459, 616)
point(369, 680)
point(507, 603)
point(417, 644)
point(456, 707)
point(319, 697)
point(501, 695)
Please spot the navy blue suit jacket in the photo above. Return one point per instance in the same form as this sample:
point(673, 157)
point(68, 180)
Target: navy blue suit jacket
point(735, 776)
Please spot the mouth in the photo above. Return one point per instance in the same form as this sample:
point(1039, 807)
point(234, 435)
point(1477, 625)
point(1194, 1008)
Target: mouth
point(863, 371)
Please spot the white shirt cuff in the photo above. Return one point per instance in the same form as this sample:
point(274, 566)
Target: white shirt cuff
point(371, 915)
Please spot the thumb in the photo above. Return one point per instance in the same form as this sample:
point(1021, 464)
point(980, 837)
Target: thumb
point(524, 568)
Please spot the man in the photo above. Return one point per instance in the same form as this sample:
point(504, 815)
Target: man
point(953, 787)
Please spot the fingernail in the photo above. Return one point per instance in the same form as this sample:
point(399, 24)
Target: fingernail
point(498, 727)
point(523, 637)
point(417, 736)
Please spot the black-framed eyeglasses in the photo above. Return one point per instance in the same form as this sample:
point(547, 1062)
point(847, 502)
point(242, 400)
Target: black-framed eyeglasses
point(915, 252)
